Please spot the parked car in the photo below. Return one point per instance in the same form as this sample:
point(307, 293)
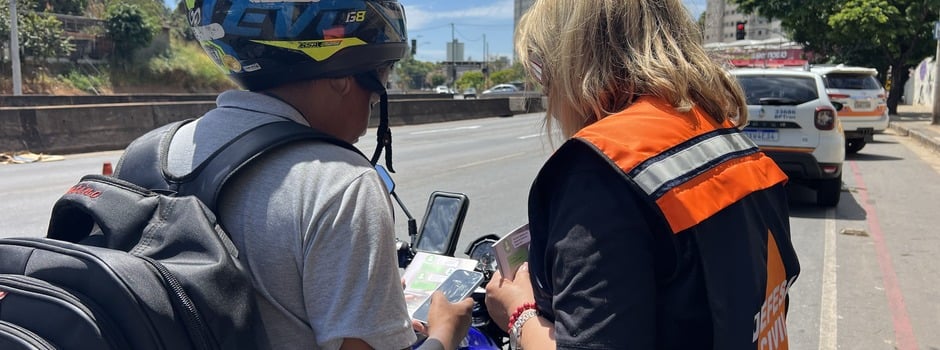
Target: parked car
point(865, 110)
point(792, 120)
point(441, 89)
point(501, 89)
point(470, 93)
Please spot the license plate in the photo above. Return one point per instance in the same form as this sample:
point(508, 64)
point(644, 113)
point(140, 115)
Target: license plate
point(759, 135)
point(863, 104)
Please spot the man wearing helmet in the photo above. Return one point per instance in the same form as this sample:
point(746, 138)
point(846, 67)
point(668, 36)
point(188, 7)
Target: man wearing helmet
point(312, 221)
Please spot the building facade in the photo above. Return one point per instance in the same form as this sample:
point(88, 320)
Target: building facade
point(721, 18)
point(519, 8)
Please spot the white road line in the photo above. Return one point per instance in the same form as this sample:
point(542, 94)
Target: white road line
point(528, 136)
point(828, 312)
point(491, 160)
point(444, 130)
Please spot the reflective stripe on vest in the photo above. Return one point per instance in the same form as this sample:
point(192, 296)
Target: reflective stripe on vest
point(687, 163)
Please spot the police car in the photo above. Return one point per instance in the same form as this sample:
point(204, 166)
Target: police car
point(792, 120)
point(865, 110)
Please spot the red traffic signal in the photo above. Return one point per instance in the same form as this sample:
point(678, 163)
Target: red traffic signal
point(739, 31)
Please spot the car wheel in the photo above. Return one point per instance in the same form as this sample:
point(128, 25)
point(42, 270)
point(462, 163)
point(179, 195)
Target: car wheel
point(852, 146)
point(828, 192)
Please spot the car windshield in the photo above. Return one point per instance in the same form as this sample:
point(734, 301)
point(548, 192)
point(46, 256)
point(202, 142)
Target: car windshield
point(778, 90)
point(852, 81)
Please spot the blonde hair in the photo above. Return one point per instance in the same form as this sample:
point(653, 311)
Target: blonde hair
point(597, 56)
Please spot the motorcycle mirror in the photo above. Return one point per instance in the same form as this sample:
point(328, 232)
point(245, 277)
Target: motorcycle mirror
point(386, 178)
point(442, 222)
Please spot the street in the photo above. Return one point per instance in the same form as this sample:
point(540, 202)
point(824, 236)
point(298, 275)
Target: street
point(869, 271)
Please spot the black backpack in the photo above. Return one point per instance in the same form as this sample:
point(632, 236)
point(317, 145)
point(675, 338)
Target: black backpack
point(138, 260)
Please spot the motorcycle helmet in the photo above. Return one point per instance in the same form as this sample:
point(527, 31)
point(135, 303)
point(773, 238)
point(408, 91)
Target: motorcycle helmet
point(266, 43)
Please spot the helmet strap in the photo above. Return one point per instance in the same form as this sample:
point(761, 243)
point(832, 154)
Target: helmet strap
point(383, 135)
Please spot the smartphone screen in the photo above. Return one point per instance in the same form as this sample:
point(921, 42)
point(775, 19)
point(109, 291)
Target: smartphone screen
point(456, 287)
point(440, 224)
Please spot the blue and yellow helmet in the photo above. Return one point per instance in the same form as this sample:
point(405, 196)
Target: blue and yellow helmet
point(267, 43)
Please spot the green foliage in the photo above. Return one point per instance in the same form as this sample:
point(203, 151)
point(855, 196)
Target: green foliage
point(68, 7)
point(884, 34)
point(130, 30)
point(414, 73)
point(84, 82)
point(437, 78)
point(505, 76)
point(470, 79)
point(187, 66)
point(42, 37)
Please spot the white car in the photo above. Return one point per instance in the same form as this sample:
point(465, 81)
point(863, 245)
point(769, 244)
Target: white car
point(865, 110)
point(441, 89)
point(792, 120)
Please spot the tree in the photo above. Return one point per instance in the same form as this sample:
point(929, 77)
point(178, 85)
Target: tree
point(470, 79)
point(504, 76)
point(888, 35)
point(40, 35)
point(413, 73)
point(130, 30)
point(68, 7)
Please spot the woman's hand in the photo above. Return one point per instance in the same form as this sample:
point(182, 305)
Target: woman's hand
point(448, 322)
point(503, 296)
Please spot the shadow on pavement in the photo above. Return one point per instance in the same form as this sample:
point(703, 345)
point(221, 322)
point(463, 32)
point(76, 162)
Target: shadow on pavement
point(871, 157)
point(803, 204)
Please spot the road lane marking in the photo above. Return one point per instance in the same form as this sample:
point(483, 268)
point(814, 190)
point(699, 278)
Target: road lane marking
point(490, 160)
point(828, 310)
point(528, 136)
point(444, 130)
point(903, 331)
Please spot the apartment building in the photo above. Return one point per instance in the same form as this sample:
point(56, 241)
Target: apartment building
point(721, 18)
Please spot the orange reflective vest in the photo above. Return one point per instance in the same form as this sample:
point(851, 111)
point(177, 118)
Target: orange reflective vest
point(706, 179)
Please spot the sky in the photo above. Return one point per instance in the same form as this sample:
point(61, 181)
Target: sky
point(429, 22)
point(479, 24)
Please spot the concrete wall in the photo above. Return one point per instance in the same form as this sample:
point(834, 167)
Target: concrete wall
point(101, 127)
point(53, 100)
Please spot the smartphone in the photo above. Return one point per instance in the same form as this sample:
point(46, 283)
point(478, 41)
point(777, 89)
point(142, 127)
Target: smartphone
point(459, 285)
point(442, 222)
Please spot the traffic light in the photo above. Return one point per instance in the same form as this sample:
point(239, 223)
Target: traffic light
point(739, 31)
point(414, 46)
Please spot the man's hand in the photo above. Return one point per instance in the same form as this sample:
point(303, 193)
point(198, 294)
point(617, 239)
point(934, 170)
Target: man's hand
point(448, 322)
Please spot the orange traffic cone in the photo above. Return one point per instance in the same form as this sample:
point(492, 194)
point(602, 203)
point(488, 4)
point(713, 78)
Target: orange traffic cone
point(106, 169)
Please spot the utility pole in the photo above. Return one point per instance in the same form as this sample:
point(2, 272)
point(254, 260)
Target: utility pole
point(453, 57)
point(936, 76)
point(15, 51)
point(486, 63)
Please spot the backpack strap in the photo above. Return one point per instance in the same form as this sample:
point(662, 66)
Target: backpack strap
point(145, 161)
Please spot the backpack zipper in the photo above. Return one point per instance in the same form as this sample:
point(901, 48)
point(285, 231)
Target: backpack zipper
point(198, 331)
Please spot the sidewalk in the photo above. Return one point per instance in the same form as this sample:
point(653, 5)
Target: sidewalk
point(914, 122)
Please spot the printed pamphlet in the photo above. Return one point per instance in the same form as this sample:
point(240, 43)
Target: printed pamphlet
point(512, 250)
point(426, 272)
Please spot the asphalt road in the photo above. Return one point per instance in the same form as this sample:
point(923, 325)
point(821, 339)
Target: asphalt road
point(869, 266)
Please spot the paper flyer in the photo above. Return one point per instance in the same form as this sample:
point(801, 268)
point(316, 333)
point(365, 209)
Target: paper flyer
point(512, 250)
point(426, 272)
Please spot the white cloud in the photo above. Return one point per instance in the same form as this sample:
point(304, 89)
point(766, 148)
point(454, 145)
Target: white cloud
point(419, 17)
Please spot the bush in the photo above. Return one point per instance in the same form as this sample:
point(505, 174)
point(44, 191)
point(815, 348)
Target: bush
point(187, 65)
point(87, 83)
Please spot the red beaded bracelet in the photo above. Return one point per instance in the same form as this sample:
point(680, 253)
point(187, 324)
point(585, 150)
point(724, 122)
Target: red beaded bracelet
point(519, 311)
